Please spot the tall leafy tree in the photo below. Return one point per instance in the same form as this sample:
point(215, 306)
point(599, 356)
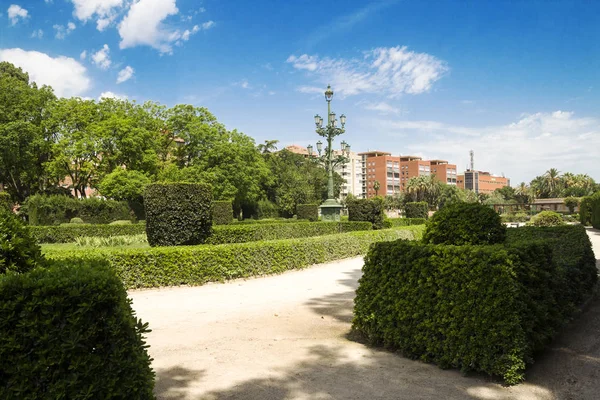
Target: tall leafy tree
point(24, 144)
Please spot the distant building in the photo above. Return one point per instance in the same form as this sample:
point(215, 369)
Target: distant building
point(443, 171)
point(481, 182)
point(382, 167)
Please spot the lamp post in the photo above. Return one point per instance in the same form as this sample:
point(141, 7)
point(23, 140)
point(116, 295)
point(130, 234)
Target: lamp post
point(330, 209)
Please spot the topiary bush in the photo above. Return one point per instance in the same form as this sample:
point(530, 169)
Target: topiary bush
point(77, 220)
point(419, 209)
point(19, 251)
point(56, 209)
point(585, 210)
point(6, 202)
point(465, 223)
point(178, 213)
point(595, 210)
point(547, 218)
point(308, 212)
point(571, 202)
point(484, 308)
point(371, 210)
point(222, 212)
point(70, 333)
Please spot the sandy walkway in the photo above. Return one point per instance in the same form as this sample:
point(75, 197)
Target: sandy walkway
point(283, 337)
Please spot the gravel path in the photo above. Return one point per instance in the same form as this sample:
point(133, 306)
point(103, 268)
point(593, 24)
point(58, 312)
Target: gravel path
point(284, 337)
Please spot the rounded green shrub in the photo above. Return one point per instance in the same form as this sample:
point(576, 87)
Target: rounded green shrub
point(76, 220)
point(547, 218)
point(19, 251)
point(178, 213)
point(465, 223)
point(419, 209)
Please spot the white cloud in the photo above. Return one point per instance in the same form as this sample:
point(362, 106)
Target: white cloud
point(62, 31)
point(83, 55)
point(143, 25)
point(104, 10)
point(66, 75)
point(125, 74)
point(37, 34)
point(48, 1)
point(16, 13)
point(207, 25)
point(522, 149)
point(101, 57)
point(111, 95)
point(390, 71)
point(382, 107)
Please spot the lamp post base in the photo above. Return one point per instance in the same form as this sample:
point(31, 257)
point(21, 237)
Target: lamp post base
point(330, 211)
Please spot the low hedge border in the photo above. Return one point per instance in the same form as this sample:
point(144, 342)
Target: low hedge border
point(395, 222)
point(69, 233)
point(197, 265)
point(257, 232)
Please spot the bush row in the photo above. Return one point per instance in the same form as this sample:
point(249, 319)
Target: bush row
point(395, 222)
point(370, 210)
point(419, 209)
point(222, 212)
point(486, 308)
point(68, 332)
point(55, 210)
point(70, 232)
point(196, 265)
point(257, 232)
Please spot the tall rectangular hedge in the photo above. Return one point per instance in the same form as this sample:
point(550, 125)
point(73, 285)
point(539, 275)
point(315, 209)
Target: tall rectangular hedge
point(371, 210)
point(196, 265)
point(308, 211)
point(222, 212)
point(595, 210)
point(482, 308)
point(418, 209)
point(178, 213)
point(68, 332)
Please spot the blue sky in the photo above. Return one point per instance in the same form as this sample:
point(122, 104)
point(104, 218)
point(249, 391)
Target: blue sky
point(515, 81)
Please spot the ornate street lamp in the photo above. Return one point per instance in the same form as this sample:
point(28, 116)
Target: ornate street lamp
point(330, 209)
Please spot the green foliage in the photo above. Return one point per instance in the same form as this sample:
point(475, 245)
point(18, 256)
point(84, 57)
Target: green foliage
point(572, 251)
point(585, 210)
point(196, 265)
point(111, 241)
point(6, 202)
point(465, 223)
point(547, 218)
point(269, 221)
point(514, 217)
point(242, 233)
point(70, 232)
point(54, 210)
point(308, 211)
point(370, 210)
point(418, 209)
point(425, 188)
point(571, 202)
point(122, 222)
point(595, 211)
point(178, 213)
point(266, 209)
point(396, 222)
point(77, 220)
point(19, 251)
point(70, 333)
point(124, 185)
point(222, 212)
point(428, 300)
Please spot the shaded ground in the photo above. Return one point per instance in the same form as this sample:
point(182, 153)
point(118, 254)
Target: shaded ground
point(284, 337)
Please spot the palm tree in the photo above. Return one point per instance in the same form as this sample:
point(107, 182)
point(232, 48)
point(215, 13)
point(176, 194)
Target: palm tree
point(268, 147)
point(376, 187)
point(523, 194)
point(552, 181)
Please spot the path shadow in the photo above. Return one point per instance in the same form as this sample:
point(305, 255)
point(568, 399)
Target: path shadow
point(338, 305)
point(174, 383)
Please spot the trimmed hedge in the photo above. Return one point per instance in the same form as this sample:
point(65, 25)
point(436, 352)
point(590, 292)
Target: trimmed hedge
point(178, 213)
point(395, 222)
point(222, 212)
point(465, 223)
point(69, 332)
point(371, 210)
point(70, 232)
point(595, 210)
point(269, 221)
point(258, 232)
point(19, 251)
point(55, 210)
point(483, 308)
point(547, 218)
point(585, 210)
point(418, 209)
point(307, 211)
point(196, 265)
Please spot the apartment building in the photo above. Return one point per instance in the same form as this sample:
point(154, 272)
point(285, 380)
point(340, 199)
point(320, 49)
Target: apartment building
point(443, 171)
point(382, 167)
point(412, 166)
point(481, 181)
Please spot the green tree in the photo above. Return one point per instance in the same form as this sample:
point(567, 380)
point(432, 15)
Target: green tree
point(122, 184)
point(24, 144)
point(376, 187)
point(424, 188)
point(268, 147)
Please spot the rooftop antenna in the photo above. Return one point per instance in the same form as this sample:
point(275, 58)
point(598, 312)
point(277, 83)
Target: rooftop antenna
point(472, 154)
